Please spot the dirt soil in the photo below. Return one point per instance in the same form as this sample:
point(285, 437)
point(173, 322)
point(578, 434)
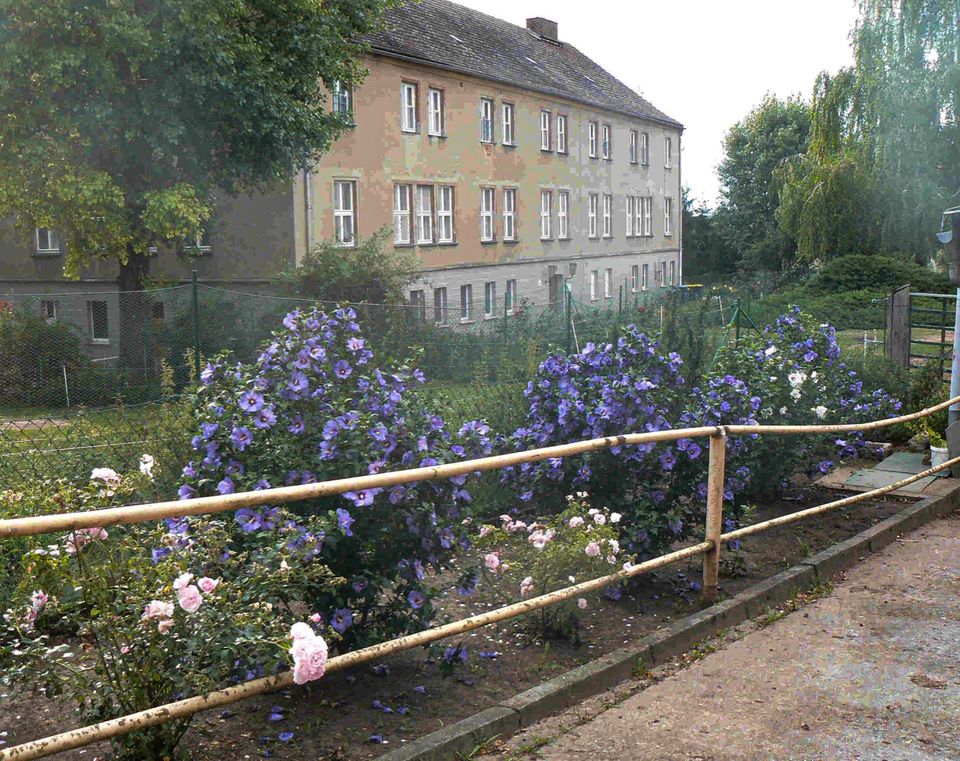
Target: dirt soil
point(336, 718)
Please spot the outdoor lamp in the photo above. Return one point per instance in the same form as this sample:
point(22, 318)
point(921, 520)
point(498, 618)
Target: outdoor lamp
point(949, 237)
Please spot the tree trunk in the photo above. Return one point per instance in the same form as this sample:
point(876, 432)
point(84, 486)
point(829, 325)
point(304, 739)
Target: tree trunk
point(135, 355)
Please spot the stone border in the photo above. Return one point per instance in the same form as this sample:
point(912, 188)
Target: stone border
point(553, 696)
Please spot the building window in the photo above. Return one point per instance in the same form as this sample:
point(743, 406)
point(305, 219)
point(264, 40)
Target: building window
point(510, 214)
point(424, 214)
point(592, 139)
point(608, 216)
point(645, 277)
point(593, 208)
point(594, 277)
point(546, 214)
point(544, 130)
point(487, 232)
point(645, 148)
point(419, 303)
point(445, 214)
point(49, 310)
point(668, 216)
point(561, 133)
point(489, 299)
point(648, 216)
point(408, 107)
point(673, 273)
point(47, 240)
point(635, 278)
point(466, 297)
point(510, 296)
point(200, 245)
point(668, 152)
point(631, 213)
point(486, 120)
point(607, 283)
point(98, 320)
point(638, 216)
point(344, 212)
point(435, 112)
point(508, 124)
point(563, 214)
point(401, 215)
point(605, 144)
point(633, 146)
point(343, 101)
point(440, 305)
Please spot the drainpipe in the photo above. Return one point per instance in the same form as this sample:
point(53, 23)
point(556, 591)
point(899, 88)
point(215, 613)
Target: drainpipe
point(308, 209)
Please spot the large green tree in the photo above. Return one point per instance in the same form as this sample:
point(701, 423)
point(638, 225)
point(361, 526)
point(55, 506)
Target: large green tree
point(121, 119)
point(884, 159)
point(706, 250)
point(772, 134)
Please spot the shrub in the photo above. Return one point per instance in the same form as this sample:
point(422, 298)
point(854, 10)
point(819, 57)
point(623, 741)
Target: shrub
point(315, 407)
point(519, 560)
point(154, 616)
point(860, 272)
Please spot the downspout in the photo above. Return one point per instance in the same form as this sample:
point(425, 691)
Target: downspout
point(680, 208)
point(307, 210)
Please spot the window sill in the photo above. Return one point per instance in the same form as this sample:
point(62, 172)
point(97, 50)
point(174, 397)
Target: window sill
point(511, 241)
point(402, 245)
point(490, 317)
point(466, 320)
point(46, 254)
point(439, 137)
point(487, 242)
point(409, 131)
point(488, 142)
point(448, 243)
point(545, 150)
point(100, 341)
point(509, 145)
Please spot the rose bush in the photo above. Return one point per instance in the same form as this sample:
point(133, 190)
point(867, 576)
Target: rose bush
point(313, 407)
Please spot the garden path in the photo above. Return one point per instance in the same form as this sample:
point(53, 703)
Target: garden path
point(866, 672)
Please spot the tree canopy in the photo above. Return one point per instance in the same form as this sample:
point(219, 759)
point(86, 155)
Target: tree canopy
point(120, 120)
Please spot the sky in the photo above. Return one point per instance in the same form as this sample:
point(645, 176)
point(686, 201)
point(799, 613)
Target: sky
point(705, 63)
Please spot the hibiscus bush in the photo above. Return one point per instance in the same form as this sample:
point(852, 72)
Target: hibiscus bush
point(314, 406)
point(795, 369)
point(627, 387)
point(107, 622)
point(519, 559)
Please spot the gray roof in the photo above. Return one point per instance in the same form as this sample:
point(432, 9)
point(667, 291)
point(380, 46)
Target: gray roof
point(446, 35)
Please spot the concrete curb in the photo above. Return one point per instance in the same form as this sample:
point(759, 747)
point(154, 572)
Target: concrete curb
point(599, 675)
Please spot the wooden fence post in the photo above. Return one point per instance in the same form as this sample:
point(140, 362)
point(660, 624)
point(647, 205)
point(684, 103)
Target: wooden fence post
point(715, 484)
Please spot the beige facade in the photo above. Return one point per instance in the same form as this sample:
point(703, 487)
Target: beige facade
point(377, 155)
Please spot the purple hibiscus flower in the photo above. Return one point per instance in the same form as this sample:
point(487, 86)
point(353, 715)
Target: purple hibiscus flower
point(242, 438)
point(342, 619)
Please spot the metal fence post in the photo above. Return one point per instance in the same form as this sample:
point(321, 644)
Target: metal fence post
point(569, 310)
point(196, 325)
point(715, 482)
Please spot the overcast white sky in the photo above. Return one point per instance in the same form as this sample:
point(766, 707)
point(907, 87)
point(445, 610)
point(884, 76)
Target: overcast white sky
point(705, 63)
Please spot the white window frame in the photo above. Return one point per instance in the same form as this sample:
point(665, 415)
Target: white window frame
point(648, 217)
point(562, 133)
point(490, 299)
point(546, 214)
point(608, 283)
point(402, 222)
point(408, 107)
point(638, 216)
point(51, 236)
point(563, 214)
point(508, 134)
point(607, 215)
point(667, 152)
point(630, 215)
point(673, 271)
point(510, 296)
point(509, 213)
point(418, 303)
point(592, 139)
point(545, 141)
point(342, 212)
point(486, 120)
point(342, 100)
point(593, 209)
point(633, 147)
point(606, 141)
point(466, 302)
point(645, 149)
point(424, 215)
point(635, 278)
point(644, 277)
point(440, 304)
point(594, 281)
point(444, 201)
point(100, 340)
point(50, 310)
point(667, 217)
point(435, 120)
point(488, 228)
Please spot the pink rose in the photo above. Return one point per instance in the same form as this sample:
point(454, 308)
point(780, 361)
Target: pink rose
point(189, 598)
point(581, 603)
point(207, 585)
point(300, 630)
point(576, 521)
point(309, 656)
point(485, 531)
point(157, 609)
point(491, 561)
point(592, 549)
point(38, 599)
point(316, 618)
point(526, 586)
point(164, 625)
point(182, 580)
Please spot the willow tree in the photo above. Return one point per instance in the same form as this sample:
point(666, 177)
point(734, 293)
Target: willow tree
point(121, 119)
point(884, 158)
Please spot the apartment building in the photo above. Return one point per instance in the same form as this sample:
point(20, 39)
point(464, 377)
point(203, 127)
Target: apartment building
point(512, 164)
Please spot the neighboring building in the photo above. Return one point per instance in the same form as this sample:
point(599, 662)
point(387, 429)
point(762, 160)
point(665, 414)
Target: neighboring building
point(505, 157)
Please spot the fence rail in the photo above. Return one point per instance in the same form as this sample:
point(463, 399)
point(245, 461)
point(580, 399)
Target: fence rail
point(709, 548)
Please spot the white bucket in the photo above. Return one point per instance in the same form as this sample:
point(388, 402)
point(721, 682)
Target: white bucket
point(938, 456)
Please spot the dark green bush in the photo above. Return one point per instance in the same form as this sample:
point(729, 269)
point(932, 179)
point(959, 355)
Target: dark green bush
point(860, 272)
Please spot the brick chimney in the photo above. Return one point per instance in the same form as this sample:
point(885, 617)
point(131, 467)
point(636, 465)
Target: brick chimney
point(543, 27)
